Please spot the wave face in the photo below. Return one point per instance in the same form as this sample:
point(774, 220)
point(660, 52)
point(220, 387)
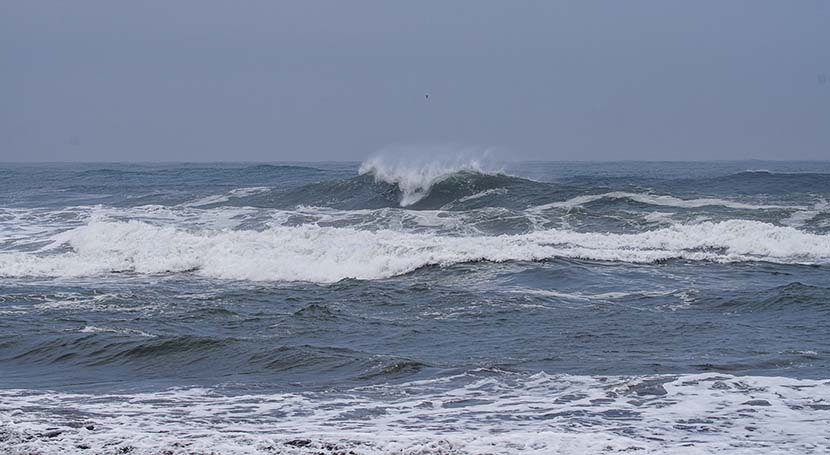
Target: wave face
point(444, 305)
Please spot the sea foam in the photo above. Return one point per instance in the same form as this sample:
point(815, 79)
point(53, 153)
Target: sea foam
point(328, 254)
point(528, 414)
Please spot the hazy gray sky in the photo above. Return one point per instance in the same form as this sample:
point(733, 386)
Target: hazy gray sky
point(338, 80)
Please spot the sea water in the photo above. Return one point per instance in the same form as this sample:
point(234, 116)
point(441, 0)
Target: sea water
point(441, 306)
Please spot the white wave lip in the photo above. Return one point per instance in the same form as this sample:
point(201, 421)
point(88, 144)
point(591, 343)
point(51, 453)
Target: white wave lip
point(416, 173)
point(328, 254)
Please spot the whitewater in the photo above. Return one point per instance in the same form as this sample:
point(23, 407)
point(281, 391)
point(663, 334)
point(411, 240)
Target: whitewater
point(328, 254)
point(442, 304)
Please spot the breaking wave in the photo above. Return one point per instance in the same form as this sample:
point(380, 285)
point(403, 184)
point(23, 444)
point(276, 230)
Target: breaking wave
point(328, 254)
point(416, 174)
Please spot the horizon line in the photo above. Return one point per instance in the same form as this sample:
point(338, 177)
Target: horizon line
point(814, 160)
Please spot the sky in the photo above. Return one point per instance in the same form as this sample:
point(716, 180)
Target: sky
point(201, 80)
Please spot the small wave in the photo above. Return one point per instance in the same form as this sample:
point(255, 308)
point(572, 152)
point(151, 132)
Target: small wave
point(95, 346)
point(416, 173)
point(176, 345)
point(660, 200)
point(788, 298)
point(329, 254)
point(764, 182)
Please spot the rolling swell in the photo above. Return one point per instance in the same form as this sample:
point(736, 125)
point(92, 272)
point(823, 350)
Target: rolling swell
point(124, 356)
point(359, 192)
point(472, 189)
point(463, 190)
point(788, 298)
point(764, 182)
point(134, 185)
point(748, 183)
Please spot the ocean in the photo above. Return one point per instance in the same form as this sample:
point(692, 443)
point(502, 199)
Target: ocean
point(405, 306)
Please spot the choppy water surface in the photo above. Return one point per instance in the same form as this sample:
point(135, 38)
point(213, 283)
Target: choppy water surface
point(443, 307)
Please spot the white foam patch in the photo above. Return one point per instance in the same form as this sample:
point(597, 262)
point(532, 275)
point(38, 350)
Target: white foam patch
point(537, 414)
point(604, 296)
point(117, 331)
point(22, 228)
point(81, 302)
point(802, 217)
point(328, 254)
point(482, 194)
point(658, 217)
point(660, 200)
point(232, 194)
